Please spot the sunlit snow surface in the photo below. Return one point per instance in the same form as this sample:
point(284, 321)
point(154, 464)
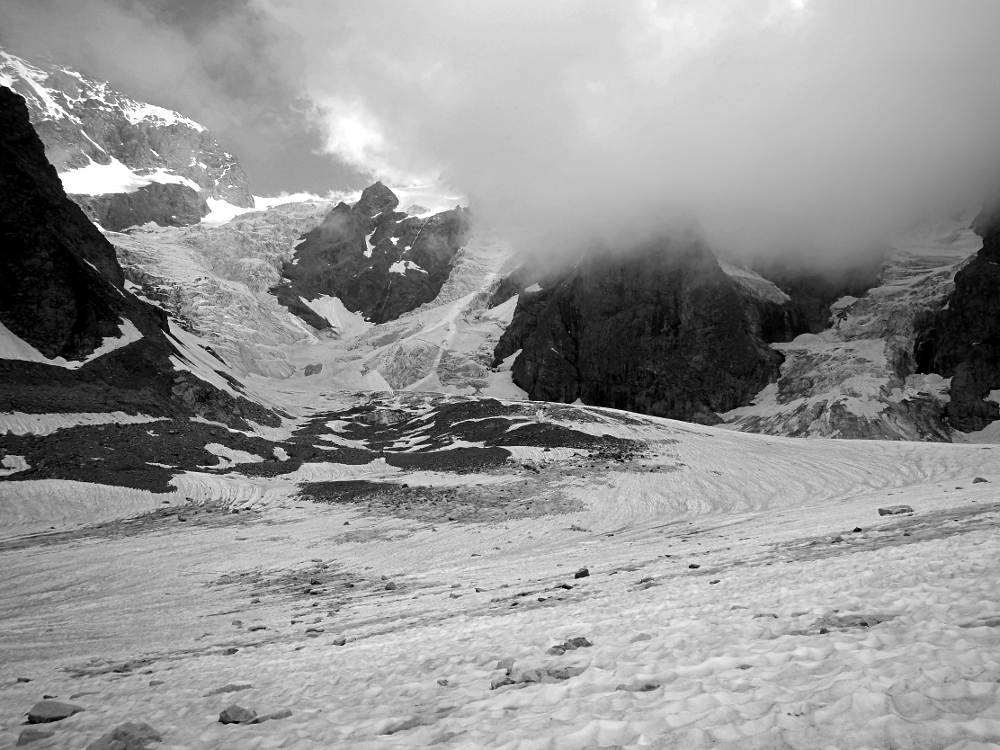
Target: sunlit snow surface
point(432, 198)
point(343, 321)
point(115, 177)
point(729, 603)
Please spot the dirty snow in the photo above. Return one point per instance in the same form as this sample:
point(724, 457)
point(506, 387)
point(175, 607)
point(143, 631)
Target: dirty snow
point(729, 604)
point(19, 423)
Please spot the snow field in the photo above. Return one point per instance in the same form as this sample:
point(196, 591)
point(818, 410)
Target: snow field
point(115, 177)
point(20, 423)
point(759, 646)
point(737, 664)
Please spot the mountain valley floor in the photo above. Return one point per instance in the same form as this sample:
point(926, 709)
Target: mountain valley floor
point(741, 591)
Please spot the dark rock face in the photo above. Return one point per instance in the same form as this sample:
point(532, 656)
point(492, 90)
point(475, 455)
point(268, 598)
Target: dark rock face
point(59, 279)
point(379, 262)
point(661, 331)
point(521, 278)
point(962, 341)
point(166, 204)
point(62, 292)
point(813, 289)
point(81, 120)
point(375, 199)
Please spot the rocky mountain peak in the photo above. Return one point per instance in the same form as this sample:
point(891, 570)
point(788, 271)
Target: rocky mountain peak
point(376, 262)
point(659, 329)
point(376, 199)
point(105, 143)
point(72, 337)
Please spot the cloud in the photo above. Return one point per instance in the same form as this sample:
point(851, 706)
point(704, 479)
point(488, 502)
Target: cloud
point(225, 63)
point(771, 124)
point(818, 124)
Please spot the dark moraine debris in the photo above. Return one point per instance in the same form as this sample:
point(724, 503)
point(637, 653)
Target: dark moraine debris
point(142, 456)
point(544, 675)
point(485, 421)
point(232, 687)
point(569, 645)
point(463, 504)
point(642, 687)
point(459, 460)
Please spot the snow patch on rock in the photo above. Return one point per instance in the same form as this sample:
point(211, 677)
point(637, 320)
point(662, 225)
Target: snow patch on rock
point(19, 423)
point(14, 347)
point(115, 177)
point(342, 320)
point(402, 266)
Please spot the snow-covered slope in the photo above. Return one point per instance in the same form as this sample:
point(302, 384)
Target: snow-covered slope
point(104, 142)
point(218, 281)
point(739, 590)
point(214, 279)
point(445, 346)
point(857, 379)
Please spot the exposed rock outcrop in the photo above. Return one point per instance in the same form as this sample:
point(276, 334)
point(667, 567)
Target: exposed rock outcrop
point(378, 262)
point(60, 283)
point(73, 338)
point(166, 204)
point(813, 285)
point(858, 378)
point(962, 340)
point(661, 330)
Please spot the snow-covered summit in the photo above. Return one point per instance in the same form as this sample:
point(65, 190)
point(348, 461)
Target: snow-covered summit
point(104, 142)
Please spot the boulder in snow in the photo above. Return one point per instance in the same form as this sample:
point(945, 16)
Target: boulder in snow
point(236, 714)
point(48, 710)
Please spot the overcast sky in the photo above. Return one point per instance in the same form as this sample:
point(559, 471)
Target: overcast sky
point(813, 122)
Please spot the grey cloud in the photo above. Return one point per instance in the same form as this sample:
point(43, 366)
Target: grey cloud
point(817, 125)
point(225, 63)
point(821, 127)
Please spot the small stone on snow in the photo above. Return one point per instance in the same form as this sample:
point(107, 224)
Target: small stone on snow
point(236, 714)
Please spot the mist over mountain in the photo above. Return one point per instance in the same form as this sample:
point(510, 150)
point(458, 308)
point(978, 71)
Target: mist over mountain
point(226, 64)
point(379, 468)
point(793, 126)
point(805, 125)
